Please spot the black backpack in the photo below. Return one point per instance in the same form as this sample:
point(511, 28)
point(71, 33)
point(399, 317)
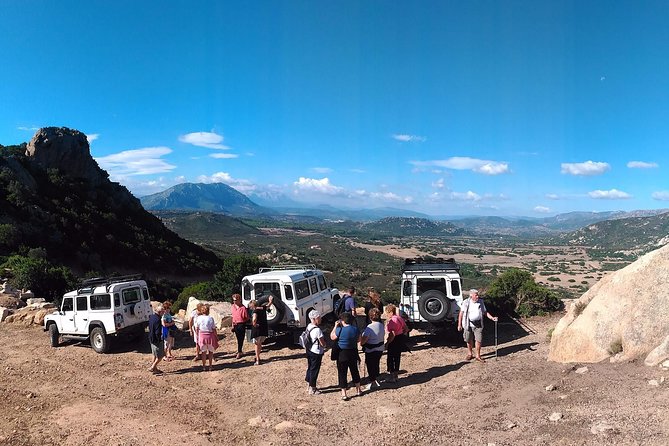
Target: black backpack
point(340, 305)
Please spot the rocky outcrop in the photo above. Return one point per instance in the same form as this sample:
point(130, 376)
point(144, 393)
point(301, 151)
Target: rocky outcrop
point(32, 314)
point(625, 315)
point(220, 311)
point(66, 150)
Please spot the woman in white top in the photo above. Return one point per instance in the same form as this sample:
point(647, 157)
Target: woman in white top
point(315, 351)
point(372, 340)
point(207, 336)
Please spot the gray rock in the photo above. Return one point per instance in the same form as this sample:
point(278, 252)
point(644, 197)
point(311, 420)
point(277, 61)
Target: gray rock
point(35, 300)
point(555, 416)
point(67, 150)
point(602, 427)
point(581, 370)
point(619, 309)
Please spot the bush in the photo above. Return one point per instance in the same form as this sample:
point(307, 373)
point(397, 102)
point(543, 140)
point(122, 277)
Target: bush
point(200, 290)
point(579, 307)
point(616, 347)
point(38, 275)
point(515, 291)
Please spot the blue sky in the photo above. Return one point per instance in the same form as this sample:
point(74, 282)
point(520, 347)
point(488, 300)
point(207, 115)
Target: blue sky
point(449, 108)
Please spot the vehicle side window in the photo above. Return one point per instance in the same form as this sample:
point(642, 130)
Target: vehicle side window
point(82, 303)
point(145, 294)
point(117, 300)
point(130, 295)
point(288, 290)
point(100, 302)
point(455, 288)
point(406, 288)
point(321, 282)
point(302, 289)
point(68, 304)
point(314, 285)
point(246, 291)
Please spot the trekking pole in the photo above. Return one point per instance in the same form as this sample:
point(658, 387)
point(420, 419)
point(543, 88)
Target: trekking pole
point(495, 340)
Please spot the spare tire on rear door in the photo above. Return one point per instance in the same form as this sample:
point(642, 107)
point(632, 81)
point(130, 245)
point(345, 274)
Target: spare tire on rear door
point(275, 311)
point(434, 306)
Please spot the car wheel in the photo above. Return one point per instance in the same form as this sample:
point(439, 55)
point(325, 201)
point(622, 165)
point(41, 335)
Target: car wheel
point(99, 340)
point(434, 306)
point(275, 311)
point(54, 335)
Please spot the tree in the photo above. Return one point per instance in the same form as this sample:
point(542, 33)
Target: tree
point(39, 276)
point(516, 291)
point(229, 278)
point(201, 291)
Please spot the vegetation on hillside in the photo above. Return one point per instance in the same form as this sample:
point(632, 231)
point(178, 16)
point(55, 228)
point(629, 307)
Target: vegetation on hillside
point(516, 292)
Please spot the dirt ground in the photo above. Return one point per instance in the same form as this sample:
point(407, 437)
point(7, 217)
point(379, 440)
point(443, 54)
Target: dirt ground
point(73, 396)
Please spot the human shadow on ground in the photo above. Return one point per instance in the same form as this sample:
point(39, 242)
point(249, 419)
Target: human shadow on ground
point(510, 349)
point(508, 329)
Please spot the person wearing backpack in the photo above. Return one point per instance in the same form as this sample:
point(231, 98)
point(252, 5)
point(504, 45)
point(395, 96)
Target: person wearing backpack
point(315, 347)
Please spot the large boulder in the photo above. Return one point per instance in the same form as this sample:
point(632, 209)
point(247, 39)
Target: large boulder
point(67, 150)
point(628, 310)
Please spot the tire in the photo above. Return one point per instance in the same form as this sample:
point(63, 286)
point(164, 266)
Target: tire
point(275, 311)
point(99, 340)
point(434, 306)
point(54, 335)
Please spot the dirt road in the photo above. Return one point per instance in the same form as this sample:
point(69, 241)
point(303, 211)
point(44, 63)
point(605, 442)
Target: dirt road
point(73, 396)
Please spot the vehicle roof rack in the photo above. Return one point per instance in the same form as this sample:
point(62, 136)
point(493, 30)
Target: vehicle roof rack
point(106, 281)
point(265, 269)
point(430, 264)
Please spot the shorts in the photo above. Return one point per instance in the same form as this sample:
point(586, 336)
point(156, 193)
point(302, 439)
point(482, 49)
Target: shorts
point(473, 334)
point(206, 348)
point(259, 340)
point(158, 350)
point(169, 342)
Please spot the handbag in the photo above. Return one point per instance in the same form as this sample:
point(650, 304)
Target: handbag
point(334, 353)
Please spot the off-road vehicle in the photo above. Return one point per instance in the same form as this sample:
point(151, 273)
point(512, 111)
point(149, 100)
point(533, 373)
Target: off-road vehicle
point(102, 308)
point(295, 291)
point(431, 292)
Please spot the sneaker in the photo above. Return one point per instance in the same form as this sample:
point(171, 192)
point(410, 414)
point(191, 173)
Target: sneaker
point(256, 363)
point(345, 398)
point(367, 388)
point(314, 391)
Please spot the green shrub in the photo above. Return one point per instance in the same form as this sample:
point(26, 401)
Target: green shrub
point(579, 307)
point(616, 347)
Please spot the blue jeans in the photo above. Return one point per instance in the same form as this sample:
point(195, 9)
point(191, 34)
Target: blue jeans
point(313, 367)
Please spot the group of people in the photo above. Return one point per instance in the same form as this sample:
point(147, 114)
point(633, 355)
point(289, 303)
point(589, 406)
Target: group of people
point(202, 328)
point(374, 338)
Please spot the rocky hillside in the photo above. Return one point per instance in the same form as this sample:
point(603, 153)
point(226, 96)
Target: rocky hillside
point(55, 198)
point(638, 234)
point(411, 226)
point(216, 197)
point(204, 226)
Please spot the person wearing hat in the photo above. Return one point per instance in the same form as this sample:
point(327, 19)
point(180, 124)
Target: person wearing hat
point(470, 322)
point(315, 351)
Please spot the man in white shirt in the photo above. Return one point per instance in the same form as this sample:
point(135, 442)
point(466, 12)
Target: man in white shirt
point(470, 321)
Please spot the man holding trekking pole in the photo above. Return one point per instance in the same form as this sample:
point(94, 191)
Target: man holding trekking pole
point(470, 321)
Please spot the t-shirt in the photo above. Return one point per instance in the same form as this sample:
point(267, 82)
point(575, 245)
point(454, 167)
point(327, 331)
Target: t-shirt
point(375, 334)
point(261, 321)
point(349, 303)
point(315, 334)
point(474, 311)
point(155, 331)
point(396, 325)
point(205, 323)
point(167, 319)
point(239, 314)
point(348, 337)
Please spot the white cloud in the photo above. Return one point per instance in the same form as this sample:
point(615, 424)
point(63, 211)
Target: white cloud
point(485, 167)
point(210, 140)
point(357, 171)
point(322, 186)
point(180, 179)
point(465, 196)
point(587, 168)
point(322, 170)
point(224, 155)
point(409, 138)
point(92, 137)
point(553, 196)
point(542, 209)
point(662, 195)
point(439, 184)
point(390, 197)
point(613, 194)
point(641, 165)
point(145, 161)
point(28, 129)
point(241, 185)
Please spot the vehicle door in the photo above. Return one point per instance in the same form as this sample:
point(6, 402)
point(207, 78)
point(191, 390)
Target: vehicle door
point(67, 316)
point(81, 318)
point(327, 305)
point(303, 296)
point(130, 298)
point(315, 298)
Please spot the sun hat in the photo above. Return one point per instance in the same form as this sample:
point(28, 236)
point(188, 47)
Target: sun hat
point(313, 314)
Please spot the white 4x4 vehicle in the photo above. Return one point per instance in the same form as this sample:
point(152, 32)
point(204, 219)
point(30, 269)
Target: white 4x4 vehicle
point(295, 291)
point(100, 309)
point(431, 292)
